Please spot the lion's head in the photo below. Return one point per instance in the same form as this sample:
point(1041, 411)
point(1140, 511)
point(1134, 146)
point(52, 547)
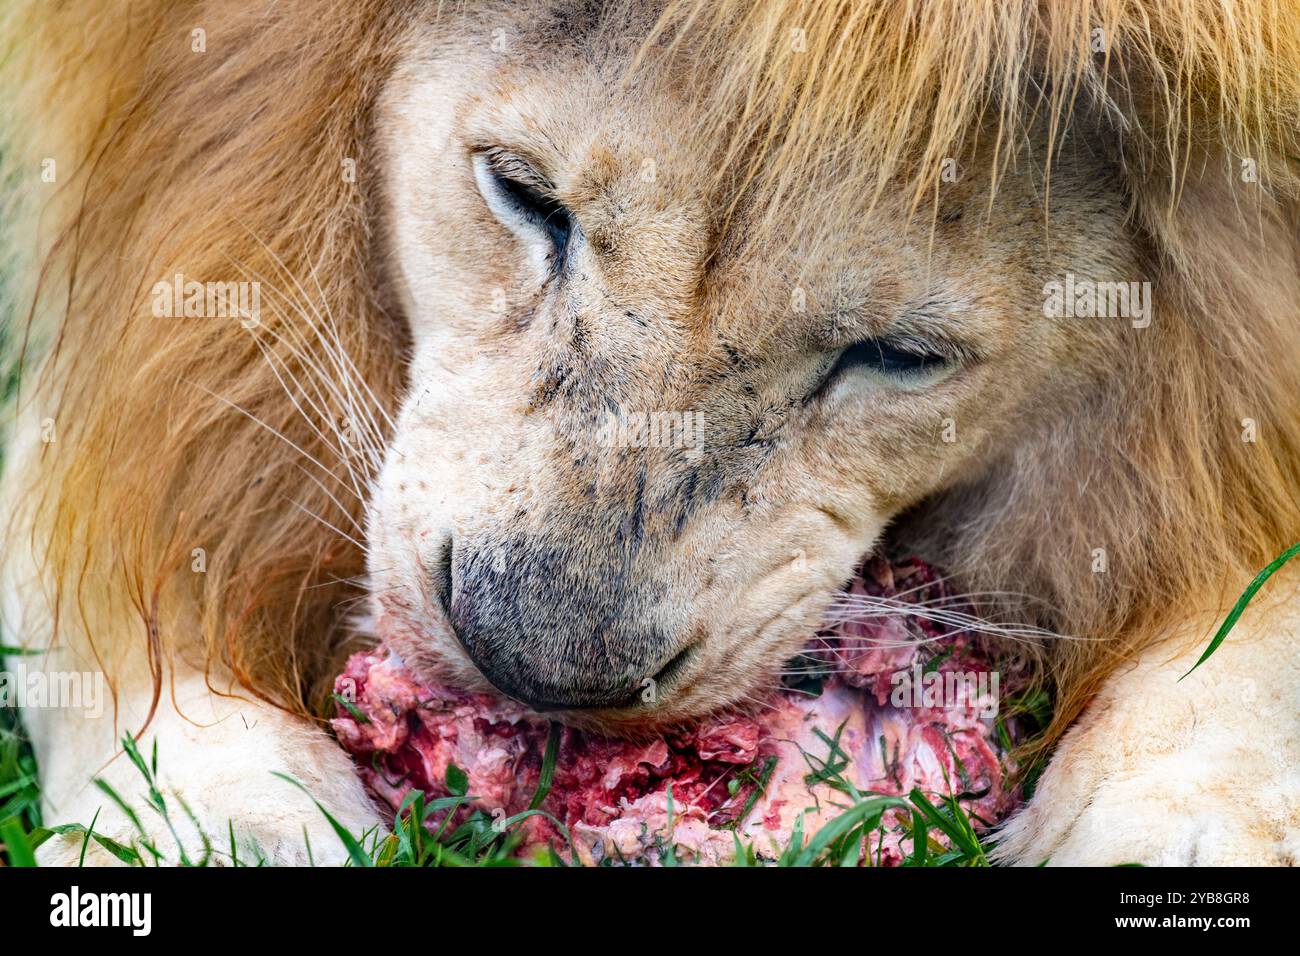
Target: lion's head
point(598, 343)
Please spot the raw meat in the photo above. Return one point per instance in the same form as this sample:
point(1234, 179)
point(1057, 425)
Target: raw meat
point(907, 698)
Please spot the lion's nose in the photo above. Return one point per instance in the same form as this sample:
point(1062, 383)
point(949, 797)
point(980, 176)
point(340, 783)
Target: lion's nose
point(543, 635)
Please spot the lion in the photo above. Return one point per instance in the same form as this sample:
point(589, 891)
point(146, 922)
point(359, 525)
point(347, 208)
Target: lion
point(1011, 287)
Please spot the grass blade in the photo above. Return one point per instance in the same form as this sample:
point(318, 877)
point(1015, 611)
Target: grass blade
point(1230, 621)
point(548, 767)
point(355, 852)
point(16, 844)
point(865, 815)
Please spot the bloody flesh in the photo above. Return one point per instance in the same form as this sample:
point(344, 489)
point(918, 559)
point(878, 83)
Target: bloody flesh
point(889, 685)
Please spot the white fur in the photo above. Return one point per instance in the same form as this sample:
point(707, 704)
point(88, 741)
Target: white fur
point(220, 766)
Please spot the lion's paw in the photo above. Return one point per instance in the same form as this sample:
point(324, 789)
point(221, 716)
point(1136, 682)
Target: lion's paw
point(1205, 771)
point(226, 801)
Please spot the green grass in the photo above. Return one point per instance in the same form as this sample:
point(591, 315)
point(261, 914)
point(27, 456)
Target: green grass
point(20, 810)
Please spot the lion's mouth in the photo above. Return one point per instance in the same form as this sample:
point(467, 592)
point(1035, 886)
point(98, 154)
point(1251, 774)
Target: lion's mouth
point(855, 699)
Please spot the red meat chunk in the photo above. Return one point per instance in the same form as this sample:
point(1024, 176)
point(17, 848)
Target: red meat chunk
point(907, 695)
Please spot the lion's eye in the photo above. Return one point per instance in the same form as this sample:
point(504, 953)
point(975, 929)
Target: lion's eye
point(523, 201)
point(880, 355)
point(904, 364)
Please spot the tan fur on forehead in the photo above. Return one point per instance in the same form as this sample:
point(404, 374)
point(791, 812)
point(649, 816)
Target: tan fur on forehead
point(229, 162)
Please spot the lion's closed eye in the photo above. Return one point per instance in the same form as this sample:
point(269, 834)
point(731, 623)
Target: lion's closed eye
point(907, 364)
point(524, 201)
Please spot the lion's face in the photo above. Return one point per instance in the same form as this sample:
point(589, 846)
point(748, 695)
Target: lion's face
point(628, 475)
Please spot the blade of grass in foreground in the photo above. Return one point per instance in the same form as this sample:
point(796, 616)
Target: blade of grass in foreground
point(865, 814)
point(123, 853)
point(355, 852)
point(16, 844)
point(953, 824)
point(548, 767)
point(1239, 608)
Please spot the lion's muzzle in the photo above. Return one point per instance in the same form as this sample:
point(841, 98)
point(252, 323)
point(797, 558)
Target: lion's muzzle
point(554, 625)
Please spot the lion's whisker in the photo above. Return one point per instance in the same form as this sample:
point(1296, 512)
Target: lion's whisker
point(334, 500)
point(343, 458)
point(343, 442)
point(343, 534)
point(962, 622)
point(343, 354)
point(348, 376)
point(274, 431)
point(341, 384)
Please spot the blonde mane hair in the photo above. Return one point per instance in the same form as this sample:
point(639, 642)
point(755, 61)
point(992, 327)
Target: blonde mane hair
point(255, 445)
